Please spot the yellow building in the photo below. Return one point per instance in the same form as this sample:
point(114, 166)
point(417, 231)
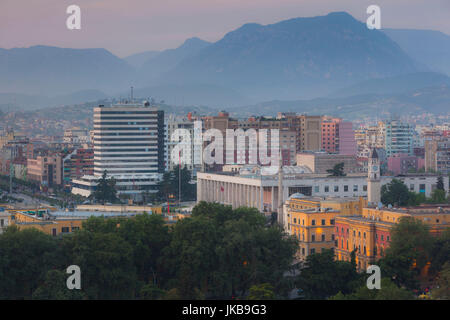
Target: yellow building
point(369, 233)
point(312, 219)
point(45, 221)
point(53, 222)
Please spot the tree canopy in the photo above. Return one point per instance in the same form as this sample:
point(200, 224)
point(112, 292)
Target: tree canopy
point(337, 170)
point(105, 190)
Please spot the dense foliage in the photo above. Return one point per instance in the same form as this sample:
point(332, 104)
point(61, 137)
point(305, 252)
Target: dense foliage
point(216, 253)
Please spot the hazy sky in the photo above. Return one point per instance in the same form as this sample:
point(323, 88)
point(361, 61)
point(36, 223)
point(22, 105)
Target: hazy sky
point(129, 26)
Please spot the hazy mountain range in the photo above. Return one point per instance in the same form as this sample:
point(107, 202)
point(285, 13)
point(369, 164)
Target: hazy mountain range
point(333, 56)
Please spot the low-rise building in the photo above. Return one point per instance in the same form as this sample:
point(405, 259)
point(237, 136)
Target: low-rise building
point(320, 162)
point(311, 220)
point(369, 234)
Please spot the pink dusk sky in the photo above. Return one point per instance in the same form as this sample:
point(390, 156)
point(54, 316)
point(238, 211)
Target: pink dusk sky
point(126, 27)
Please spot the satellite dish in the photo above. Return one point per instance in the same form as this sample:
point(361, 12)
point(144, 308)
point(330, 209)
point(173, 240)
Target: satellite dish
point(380, 205)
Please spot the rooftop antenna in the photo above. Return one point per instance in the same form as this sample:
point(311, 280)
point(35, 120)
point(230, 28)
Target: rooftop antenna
point(132, 94)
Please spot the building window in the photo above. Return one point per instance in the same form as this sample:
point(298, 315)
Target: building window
point(364, 235)
point(364, 187)
point(323, 237)
point(65, 229)
point(355, 188)
point(327, 189)
point(313, 238)
point(313, 251)
point(345, 188)
point(303, 251)
point(316, 189)
point(313, 222)
point(332, 222)
point(323, 222)
point(336, 188)
point(382, 237)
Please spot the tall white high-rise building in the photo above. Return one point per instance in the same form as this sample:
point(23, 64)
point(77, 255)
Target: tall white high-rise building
point(398, 138)
point(129, 146)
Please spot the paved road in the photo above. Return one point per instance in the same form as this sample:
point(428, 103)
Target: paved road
point(29, 201)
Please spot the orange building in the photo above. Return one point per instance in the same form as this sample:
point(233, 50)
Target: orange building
point(312, 220)
point(369, 233)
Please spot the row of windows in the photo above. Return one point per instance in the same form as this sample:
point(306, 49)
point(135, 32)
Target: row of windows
point(126, 112)
point(132, 171)
point(123, 155)
point(313, 222)
point(125, 128)
point(127, 162)
point(125, 123)
point(127, 145)
point(150, 117)
point(141, 149)
point(358, 249)
point(123, 134)
point(149, 139)
point(336, 188)
point(364, 234)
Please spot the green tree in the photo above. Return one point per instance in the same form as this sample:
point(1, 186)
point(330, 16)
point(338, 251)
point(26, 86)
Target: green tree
point(25, 257)
point(148, 235)
point(151, 292)
point(416, 199)
point(442, 290)
point(106, 263)
point(220, 253)
point(324, 277)
point(440, 183)
point(337, 171)
point(440, 251)
point(105, 190)
point(54, 287)
point(438, 196)
point(263, 291)
point(170, 185)
point(395, 193)
point(409, 251)
point(388, 291)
